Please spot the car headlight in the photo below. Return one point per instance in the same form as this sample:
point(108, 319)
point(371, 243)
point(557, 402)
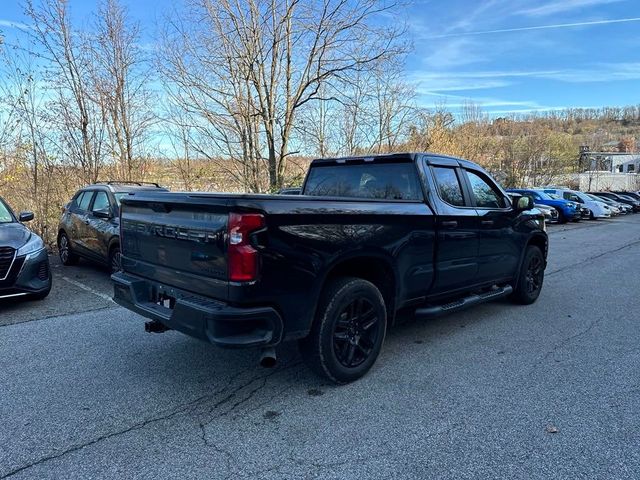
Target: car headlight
point(34, 245)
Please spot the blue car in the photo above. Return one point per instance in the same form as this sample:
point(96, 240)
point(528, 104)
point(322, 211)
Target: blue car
point(567, 210)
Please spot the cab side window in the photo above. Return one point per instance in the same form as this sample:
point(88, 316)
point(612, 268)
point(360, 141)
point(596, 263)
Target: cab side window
point(101, 202)
point(449, 187)
point(485, 192)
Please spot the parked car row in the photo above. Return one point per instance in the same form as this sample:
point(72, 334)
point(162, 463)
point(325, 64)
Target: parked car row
point(89, 228)
point(574, 205)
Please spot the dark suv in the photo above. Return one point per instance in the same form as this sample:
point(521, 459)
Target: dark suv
point(90, 223)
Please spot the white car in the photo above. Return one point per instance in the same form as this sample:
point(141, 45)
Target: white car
point(616, 208)
point(598, 209)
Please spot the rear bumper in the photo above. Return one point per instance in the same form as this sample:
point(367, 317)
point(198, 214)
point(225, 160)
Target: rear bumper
point(200, 317)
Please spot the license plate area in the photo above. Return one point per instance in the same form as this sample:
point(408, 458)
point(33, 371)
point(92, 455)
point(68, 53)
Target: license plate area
point(166, 301)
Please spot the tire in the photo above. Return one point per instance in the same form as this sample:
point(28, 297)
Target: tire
point(531, 277)
point(114, 260)
point(561, 216)
point(348, 331)
point(67, 257)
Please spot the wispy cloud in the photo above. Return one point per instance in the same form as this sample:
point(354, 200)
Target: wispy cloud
point(454, 53)
point(443, 83)
point(563, 6)
point(536, 27)
point(600, 72)
point(12, 24)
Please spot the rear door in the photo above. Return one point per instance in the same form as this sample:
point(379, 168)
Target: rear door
point(498, 248)
point(100, 230)
point(456, 260)
point(79, 218)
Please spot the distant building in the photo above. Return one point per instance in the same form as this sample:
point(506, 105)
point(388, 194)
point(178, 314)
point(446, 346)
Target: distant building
point(610, 162)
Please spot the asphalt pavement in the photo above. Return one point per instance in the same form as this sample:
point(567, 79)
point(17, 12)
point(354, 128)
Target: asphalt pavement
point(549, 390)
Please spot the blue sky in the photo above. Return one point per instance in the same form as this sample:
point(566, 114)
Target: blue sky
point(506, 55)
point(554, 54)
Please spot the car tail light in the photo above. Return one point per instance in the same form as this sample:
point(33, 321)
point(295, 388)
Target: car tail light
point(242, 257)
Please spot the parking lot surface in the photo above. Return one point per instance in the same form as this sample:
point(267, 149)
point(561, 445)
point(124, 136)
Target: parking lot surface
point(549, 390)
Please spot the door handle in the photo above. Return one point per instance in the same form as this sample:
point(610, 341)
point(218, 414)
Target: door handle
point(487, 223)
point(449, 224)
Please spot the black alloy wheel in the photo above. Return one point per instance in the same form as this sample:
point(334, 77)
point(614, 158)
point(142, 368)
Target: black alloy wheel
point(348, 330)
point(529, 284)
point(535, 274)
point(355, 333)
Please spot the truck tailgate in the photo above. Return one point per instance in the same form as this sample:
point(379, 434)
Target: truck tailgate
point(176, 240)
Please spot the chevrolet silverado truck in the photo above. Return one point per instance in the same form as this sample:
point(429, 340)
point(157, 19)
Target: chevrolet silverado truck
point(368, 237)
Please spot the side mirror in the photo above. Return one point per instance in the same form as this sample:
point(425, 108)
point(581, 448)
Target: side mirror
point(524, 203)
point(25, 216)
point(104, 214)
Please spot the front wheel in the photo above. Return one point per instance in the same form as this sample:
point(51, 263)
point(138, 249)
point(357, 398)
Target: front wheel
point(561, 216)
point(531, 277)
point(348, 331)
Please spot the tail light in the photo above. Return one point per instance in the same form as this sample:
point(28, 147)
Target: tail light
point(242, 257)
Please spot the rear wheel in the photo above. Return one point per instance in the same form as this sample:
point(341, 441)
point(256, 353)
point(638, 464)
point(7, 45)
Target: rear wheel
point(67, 257)
point(348, 331)
point(531, 277)
point(115, 257)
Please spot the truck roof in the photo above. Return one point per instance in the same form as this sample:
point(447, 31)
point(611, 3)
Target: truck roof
point(436, 158)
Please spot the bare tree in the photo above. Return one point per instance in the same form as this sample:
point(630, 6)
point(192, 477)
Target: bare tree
point(393, 106)
point(79, 120)
point(246, 69)
point(120, 74)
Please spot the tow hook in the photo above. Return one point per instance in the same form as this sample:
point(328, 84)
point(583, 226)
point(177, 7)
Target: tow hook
point(268, 357)
point(155, 327)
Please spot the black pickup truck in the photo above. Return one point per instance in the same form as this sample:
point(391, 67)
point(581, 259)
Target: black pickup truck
point(331, 268)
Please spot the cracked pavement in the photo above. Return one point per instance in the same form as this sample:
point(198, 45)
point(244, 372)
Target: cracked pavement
point(89, 394)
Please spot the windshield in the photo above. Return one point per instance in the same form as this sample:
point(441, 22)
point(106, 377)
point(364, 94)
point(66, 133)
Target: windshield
point(390, 181)
point(543, 195)
point(553, 196)
point(5, 214)
point(596, 198)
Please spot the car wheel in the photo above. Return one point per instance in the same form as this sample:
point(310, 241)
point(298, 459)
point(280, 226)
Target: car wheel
point(531, 277)
point(115, 264)
point(67, 257)
point(561, 217)
point(348, 331)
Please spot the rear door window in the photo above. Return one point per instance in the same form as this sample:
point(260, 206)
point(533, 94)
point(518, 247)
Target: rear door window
point(449, 187)
point(101, 202)
point(385, 181)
